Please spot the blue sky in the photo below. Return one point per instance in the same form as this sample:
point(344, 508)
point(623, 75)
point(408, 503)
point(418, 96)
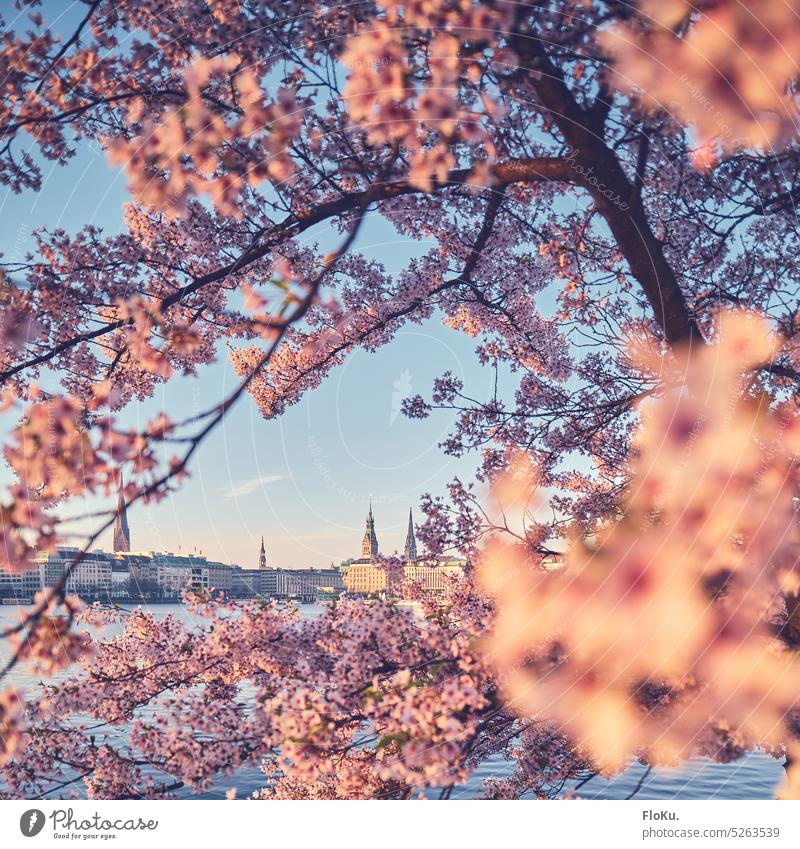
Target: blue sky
point(304, 480)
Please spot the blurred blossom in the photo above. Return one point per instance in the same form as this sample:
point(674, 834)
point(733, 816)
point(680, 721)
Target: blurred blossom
point(670, 646)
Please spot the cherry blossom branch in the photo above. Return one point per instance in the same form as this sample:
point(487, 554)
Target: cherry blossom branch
point(505, 173)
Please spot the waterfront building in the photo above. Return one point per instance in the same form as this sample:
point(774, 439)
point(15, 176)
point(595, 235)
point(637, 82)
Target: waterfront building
point(21, 586)
point(303, 583)
point(435, 574)
point(324, 595)
point(126, 574)
point(253, 583)
point(245, 583)
point(219, 576)
point(120, 578)
point(178, 572)
point(365, 578)
point(165, 574)
point(430, 573)
point(267, 582)
point(142, 574)
point(91, 576)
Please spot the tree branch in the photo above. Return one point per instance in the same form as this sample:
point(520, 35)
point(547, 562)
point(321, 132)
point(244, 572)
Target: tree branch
point(598, 170)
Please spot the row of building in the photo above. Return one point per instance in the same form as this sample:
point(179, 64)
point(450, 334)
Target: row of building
point(160, 576)
point(124, 574)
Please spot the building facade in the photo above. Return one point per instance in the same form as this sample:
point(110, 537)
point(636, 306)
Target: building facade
point(178, 572)
point(304, 583)
point(365, 578)
point(142, 574)
point(120, 579)
point(220, 576)
point(91, 576)
point(253, 583)
point(435, 574)
point(432, 573)
point(21, 586)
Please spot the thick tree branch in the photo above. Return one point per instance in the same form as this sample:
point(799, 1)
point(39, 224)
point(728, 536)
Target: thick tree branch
point(598, 170)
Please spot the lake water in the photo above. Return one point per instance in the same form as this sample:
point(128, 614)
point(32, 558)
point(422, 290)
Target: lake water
point(755, 776)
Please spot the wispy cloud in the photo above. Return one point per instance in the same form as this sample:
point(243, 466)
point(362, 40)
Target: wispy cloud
point(238, 490)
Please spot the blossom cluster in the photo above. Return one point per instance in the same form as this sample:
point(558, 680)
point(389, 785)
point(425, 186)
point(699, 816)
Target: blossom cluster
point(191, 150)
point(364, 701)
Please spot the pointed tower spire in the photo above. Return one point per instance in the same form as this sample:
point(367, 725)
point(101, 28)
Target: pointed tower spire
point(122, 534)
point(262, 556)
point(411, 542)
point(369, 545)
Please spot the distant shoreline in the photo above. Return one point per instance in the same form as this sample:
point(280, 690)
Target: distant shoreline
point(26, 602)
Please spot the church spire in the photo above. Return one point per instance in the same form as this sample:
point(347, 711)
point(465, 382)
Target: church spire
point(411, 542)
point(369, 545)
point(122, 534)
point(262, 556)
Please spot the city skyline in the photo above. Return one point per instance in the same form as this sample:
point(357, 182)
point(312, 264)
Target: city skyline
point(122, 544)
point(147, 575)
